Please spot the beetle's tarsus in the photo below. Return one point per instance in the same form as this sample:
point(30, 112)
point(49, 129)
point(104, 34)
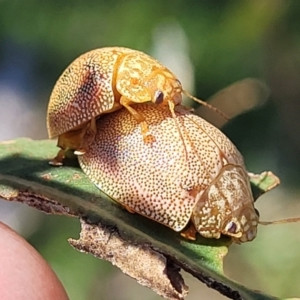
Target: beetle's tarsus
point(57, 161)
point(149, 139)
point(147, 136)
point(79, 152)
point(189, 233)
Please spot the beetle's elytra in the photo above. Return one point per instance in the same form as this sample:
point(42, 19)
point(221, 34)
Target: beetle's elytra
point(193, 176)
point(101, 81)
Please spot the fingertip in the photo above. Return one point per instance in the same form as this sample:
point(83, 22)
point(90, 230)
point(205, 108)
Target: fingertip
point(24, 274)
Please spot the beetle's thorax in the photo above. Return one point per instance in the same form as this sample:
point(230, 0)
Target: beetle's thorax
point(227, 207)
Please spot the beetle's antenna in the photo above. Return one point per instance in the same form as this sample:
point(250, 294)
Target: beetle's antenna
point(291, 220)
point(206, 104)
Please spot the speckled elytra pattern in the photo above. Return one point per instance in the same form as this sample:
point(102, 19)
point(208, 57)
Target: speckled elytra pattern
point(196, 174)
point(94, 83)
point(83, 91)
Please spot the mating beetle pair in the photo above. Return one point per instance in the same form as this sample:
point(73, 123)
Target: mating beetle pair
point(102, 81)
point(189, 171)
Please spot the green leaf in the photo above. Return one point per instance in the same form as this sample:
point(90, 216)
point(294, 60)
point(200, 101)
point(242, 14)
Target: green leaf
point(262, 183)
point(26, 176)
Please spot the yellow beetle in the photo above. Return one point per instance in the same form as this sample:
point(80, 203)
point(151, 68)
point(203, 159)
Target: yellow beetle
point(102, 81)
point(192, 173)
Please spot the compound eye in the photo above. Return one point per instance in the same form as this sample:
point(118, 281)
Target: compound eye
point(231, 227)
point(159, 97)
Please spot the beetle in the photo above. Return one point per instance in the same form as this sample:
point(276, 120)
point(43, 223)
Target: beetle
point(192, 181)
point(100, 82)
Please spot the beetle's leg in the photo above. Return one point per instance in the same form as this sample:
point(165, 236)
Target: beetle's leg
point(58, 159)
point(139, 118)
point(189, 233)
point(88, 137)
point(77, 140)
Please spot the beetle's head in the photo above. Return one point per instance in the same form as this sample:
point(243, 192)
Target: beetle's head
point(226, 207)
point(242, 228)
point(165, 87)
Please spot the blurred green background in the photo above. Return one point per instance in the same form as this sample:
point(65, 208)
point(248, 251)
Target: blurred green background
point(209, 44)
